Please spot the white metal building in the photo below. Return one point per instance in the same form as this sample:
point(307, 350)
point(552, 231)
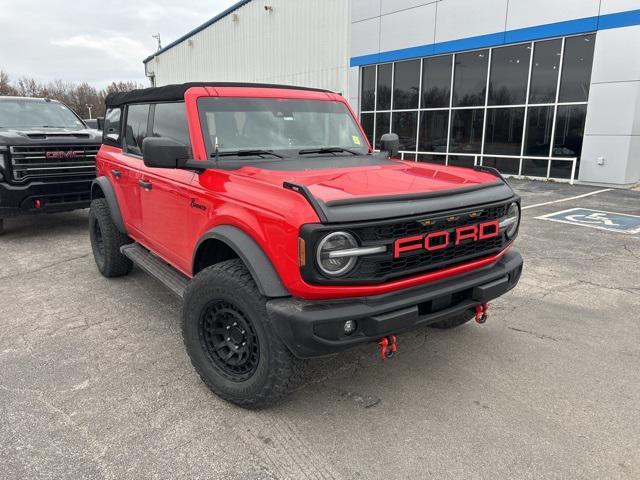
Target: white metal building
point(544, 88)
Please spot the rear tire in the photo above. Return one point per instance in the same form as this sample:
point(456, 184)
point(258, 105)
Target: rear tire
point(230, 341)
point(454, 321)
point(106, 241)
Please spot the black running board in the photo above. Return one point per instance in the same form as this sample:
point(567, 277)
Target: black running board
point(154, 266)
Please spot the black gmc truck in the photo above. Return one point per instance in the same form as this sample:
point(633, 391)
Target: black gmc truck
point(47, 157)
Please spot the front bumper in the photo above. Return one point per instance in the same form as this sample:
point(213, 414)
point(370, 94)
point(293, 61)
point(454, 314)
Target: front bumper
point(52, 196)
point(315, 328)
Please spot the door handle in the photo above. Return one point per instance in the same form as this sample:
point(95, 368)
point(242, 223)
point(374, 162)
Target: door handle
point(144, 184)
point(116, 173)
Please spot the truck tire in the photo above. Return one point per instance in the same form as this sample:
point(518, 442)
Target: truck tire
point(106, 241)
point(454, 321)
point(230, 341)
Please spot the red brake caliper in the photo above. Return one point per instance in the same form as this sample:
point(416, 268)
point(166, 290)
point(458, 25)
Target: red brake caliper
point(388, 346)
point(481, 312)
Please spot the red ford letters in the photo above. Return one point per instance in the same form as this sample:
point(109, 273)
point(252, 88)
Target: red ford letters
point(445, 238)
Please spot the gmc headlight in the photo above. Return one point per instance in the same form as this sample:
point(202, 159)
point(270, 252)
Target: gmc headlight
point(337, 253)
point(510, 223)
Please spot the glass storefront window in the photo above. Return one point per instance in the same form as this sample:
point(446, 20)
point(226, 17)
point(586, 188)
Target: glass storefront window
point(466, 131)
point(383, 100)
point(406, 85)
point(544, 71)
point(510, 166)
point(436, 82)
point(442, 110)
point(382, 126)
point(576, 68)
point(569, 132)
point(509, 73)
point(503, 133)
point(366, 120)
point(434, 125)
point(539, 125)
point(368, 90)
point(405, 125)
point(470, 78)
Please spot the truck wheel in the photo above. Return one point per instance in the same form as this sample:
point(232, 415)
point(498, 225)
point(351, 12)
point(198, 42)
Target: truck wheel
point(229, 338)
point(454, 321)
point(1, 226)
point(106, 241)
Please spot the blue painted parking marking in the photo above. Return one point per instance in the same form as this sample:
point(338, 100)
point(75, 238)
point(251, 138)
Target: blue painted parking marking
point(586, 217)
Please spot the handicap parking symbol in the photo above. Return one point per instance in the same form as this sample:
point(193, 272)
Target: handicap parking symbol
point(615, 222)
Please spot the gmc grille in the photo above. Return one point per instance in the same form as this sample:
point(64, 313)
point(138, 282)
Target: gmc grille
point(32, 163)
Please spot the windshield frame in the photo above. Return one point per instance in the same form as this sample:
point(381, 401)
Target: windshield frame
point(80, 126)
point(277, 149)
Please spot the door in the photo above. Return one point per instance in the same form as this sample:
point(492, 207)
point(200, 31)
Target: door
point(165, 194)
point(130, 167)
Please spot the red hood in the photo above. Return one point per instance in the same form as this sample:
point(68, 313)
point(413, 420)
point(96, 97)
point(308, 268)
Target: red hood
point(394, 178)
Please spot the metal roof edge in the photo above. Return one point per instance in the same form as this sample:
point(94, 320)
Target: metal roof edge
point(198, 29)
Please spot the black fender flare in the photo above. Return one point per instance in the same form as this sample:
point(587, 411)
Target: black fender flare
point(105, 186)
point(259, 265)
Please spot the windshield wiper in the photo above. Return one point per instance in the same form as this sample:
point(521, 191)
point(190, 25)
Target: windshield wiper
point(246, 153)
point(308, 151)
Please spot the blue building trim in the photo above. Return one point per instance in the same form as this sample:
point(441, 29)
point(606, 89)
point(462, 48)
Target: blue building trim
point(558, 29)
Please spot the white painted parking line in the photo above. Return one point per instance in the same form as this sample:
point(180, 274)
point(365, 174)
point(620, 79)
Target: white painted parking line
point(600, 219)
point(567, 199)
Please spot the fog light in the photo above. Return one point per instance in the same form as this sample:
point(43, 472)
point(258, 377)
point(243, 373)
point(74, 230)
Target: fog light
point(37, 203)
point(350, 327)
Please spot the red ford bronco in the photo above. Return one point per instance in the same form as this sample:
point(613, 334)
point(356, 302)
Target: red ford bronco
point(265, 208)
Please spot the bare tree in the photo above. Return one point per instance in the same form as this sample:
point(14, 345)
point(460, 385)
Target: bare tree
point(5, 87)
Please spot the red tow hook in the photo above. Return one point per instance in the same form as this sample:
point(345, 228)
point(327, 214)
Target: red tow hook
point(481, 313)
point(388, 346)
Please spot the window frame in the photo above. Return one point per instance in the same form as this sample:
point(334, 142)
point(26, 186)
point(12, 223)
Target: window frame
point(518, 158)
point(123, 140)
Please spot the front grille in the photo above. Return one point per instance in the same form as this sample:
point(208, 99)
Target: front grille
point(385, 267)
point(43, 162)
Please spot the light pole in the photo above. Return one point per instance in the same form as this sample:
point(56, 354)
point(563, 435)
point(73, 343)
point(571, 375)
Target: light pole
point(89, 107)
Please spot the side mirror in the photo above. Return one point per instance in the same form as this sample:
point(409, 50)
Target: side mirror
point(163, 152)
point(390, 143)
point(100, 123)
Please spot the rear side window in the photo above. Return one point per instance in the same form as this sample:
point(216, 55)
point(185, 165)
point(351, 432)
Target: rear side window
point(170, 120)
point(136, 128)
point(111, 130)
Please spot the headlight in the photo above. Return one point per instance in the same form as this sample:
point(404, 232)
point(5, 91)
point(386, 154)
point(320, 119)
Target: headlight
point(336, 264)
point(510, 223)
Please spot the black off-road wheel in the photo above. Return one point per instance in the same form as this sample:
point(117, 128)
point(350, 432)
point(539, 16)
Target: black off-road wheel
point(454, 321)
point(230, 341)
point(106, 241)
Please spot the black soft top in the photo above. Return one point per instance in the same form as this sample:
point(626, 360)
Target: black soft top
point(172, 93)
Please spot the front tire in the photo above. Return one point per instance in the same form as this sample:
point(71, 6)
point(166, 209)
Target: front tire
point(230, 341)
point(106, 241)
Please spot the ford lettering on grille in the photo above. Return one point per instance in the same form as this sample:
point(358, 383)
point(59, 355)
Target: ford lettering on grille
point(446, 238)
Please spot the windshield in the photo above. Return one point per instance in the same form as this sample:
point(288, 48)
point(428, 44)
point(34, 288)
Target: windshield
point(236, 124)
point(37, 114)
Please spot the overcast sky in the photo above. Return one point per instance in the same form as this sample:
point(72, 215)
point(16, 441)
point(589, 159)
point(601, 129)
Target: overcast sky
point(93, 41)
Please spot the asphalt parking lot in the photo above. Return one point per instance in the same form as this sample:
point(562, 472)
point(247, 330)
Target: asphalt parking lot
point(95, 382)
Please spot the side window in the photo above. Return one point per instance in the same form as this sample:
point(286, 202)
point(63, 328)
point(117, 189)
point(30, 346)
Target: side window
point(170, 120)
point(136, 128)
point(111, 128)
